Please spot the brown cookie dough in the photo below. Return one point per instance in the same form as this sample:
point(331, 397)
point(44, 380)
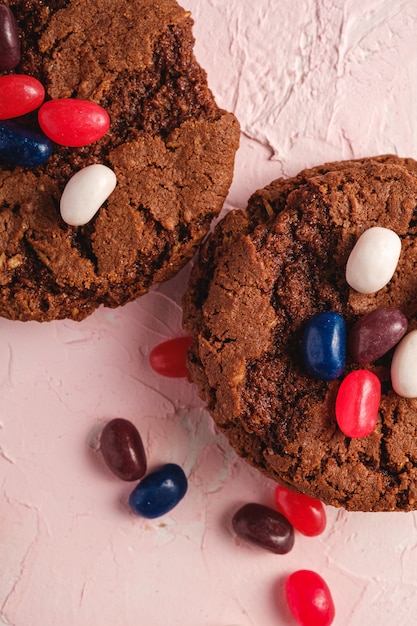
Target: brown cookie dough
point(171, 147)
point(262, 274)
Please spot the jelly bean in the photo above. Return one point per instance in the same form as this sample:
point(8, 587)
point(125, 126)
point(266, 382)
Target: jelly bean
point(85, 193)
point(265, 527)
point(72, 122)
point(122, 449)
point(9, 40)
point(169, 358)
point(19, 94)
point(373, 260)
point(159, 492)
point(24, 147)
point(374, 334)
point(357, 403)
point(309, 599)
point(306, 514)
point(324, 345)
point(404, 366)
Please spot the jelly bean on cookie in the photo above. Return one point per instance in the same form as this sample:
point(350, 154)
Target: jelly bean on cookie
point(324, 345)
point(72, 122)
point(9, 40)
point(85, 193)
point(374, 334)
point(357, 403)
point(373, 260)
point(19, 94)
point(22, 146)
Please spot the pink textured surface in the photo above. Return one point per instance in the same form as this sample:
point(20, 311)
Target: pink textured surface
point(310, 81)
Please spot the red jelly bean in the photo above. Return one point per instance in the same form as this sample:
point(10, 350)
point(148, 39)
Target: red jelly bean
point(306, 514)
point(122, 449)
point(265, 527)
point(19, 94)
point(309, 599)
point(72, 122)
point(357, 403)
point(169, 358)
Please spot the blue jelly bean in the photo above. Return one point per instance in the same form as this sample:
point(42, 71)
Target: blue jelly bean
point(324, 345)
point(159, 492)
point(22, 146)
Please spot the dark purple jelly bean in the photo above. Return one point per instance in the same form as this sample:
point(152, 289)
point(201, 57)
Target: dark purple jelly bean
point(122, 449)
point(9, 40)
point(159, 492)
point(324, 345)
point(265, 527)
point(374, 334)
point(22, 146)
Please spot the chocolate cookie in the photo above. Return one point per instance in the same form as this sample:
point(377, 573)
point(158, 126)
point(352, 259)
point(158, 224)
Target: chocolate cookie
point(170, 146)
point(259, 278)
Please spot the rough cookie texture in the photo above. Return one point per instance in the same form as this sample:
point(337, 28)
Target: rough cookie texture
point(170, 146)
point(262, 274)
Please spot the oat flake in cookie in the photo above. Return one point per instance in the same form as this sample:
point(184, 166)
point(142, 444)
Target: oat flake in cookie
point(171, 148)
point(259, 278)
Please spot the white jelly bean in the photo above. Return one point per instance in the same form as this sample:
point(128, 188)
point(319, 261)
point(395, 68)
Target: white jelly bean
point(85, 192)
point(404, 366)
point(373, 260)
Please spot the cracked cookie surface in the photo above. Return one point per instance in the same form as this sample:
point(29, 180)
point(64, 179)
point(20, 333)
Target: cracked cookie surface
point(171, 147)
point(262, 274)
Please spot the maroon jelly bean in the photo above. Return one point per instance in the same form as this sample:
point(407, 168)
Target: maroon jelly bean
point(122, 449)
point(374, 334)
point(265, 527)
point(9, 40)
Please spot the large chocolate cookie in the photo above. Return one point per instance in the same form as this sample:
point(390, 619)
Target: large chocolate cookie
point(259, 278)
point(171, 147)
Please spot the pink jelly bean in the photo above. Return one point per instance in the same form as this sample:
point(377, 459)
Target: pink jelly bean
point(19, 94)
point(309, 599)
point(357, 403)
point(72, 122)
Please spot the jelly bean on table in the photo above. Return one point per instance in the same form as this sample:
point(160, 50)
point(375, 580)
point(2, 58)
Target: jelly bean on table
point(19, 94)
point(324, 345)
point(169, 358)
point(264, 527)
point(374, 334)
point(309, 599)
point(357, 403)
point(72, 122)
point(373, 260)
point(9, 40)
point(85, 193)
point(404, 366)
point(159, 492)
point(23, 147)
point(122, 449)
point(306, 514)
